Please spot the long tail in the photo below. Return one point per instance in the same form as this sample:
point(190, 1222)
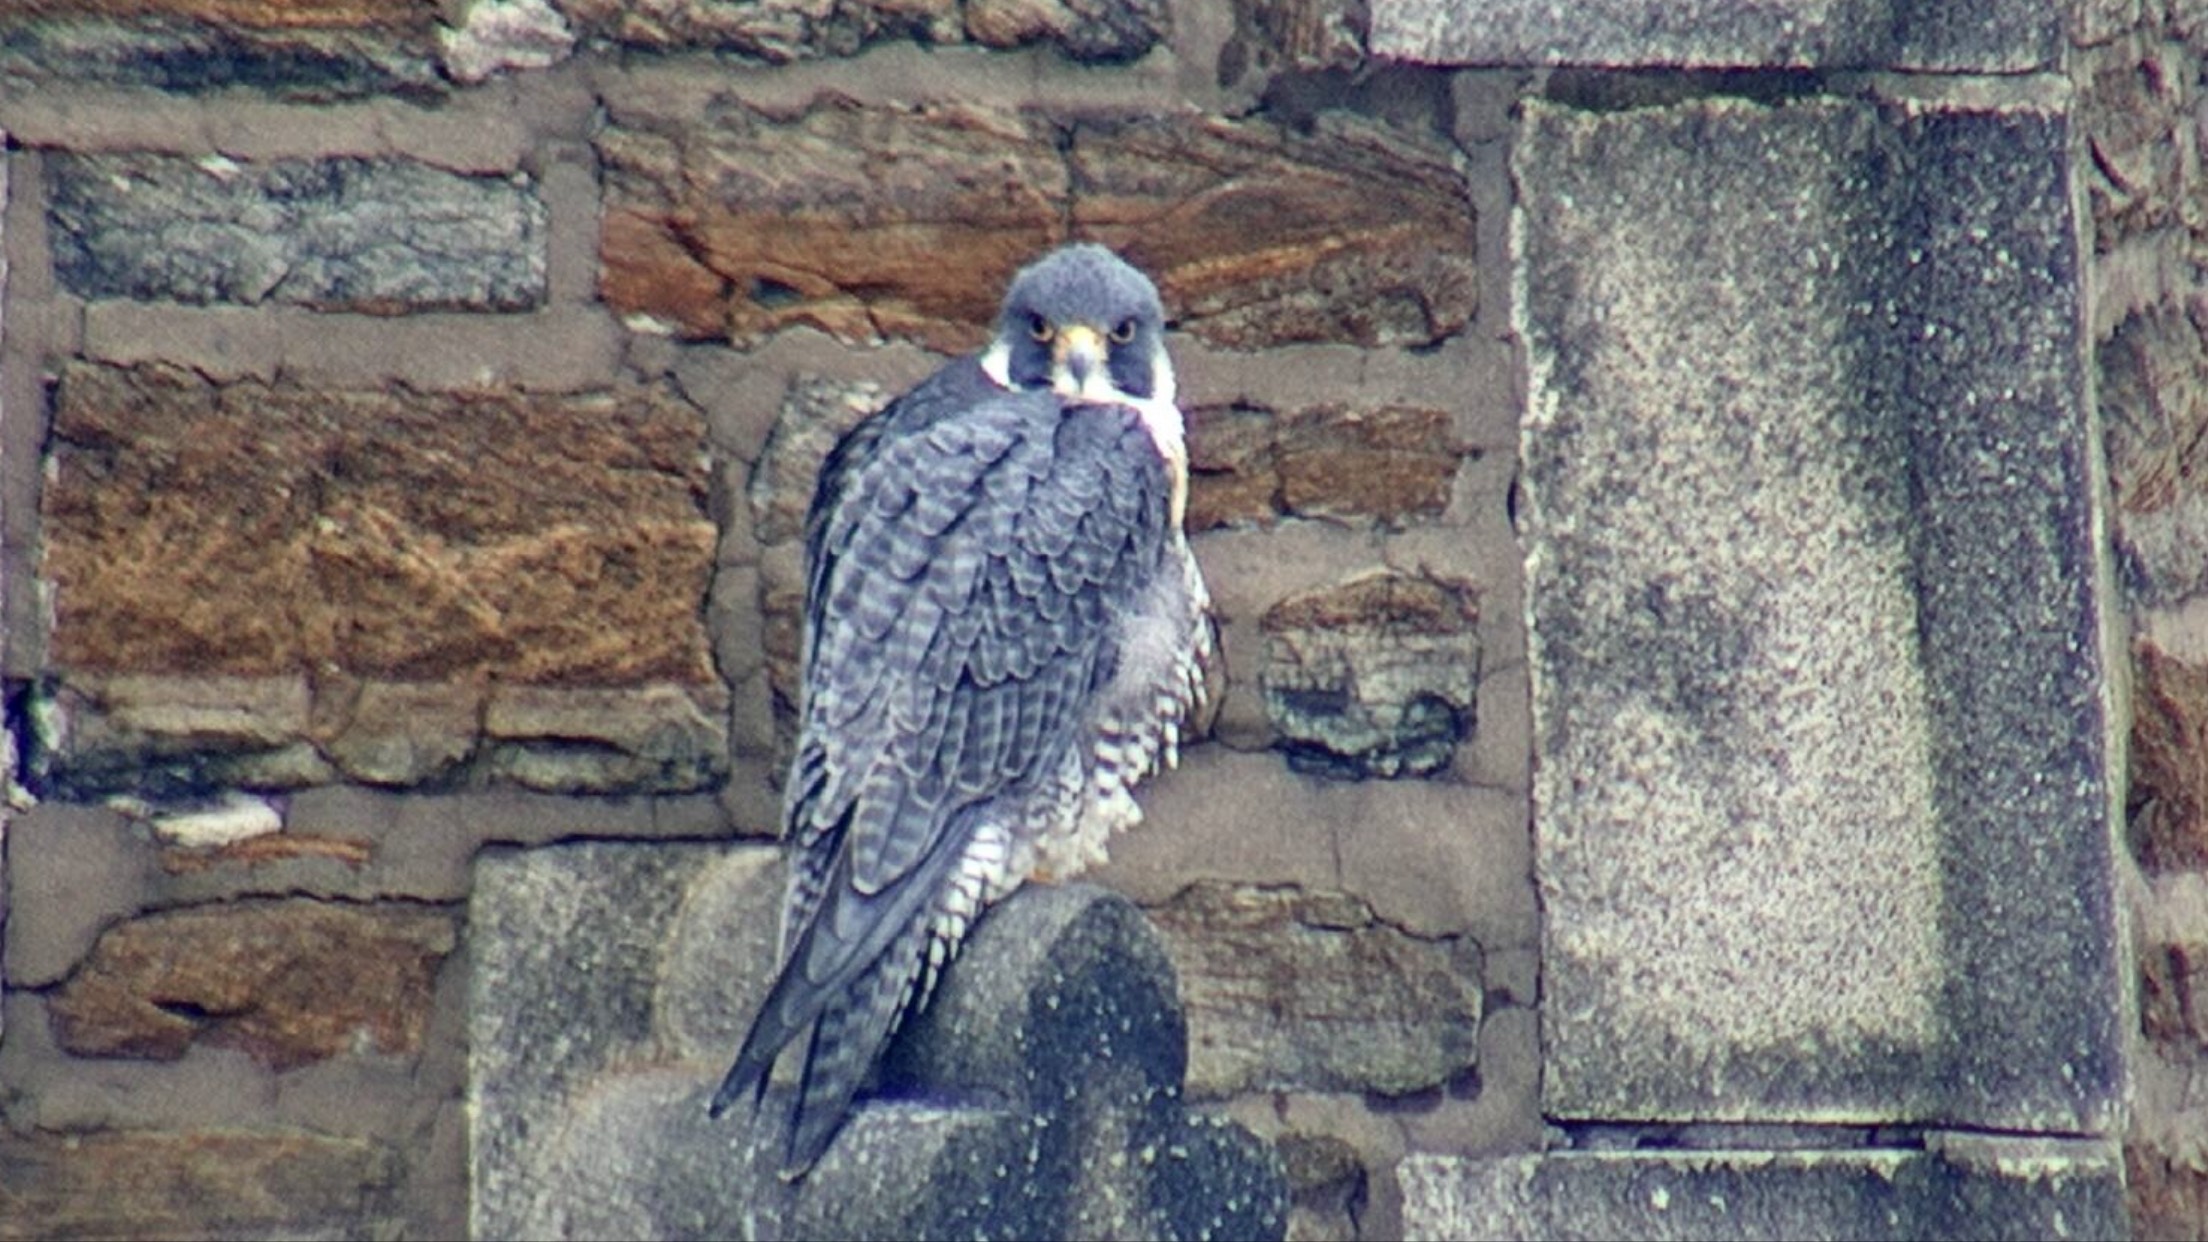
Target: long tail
point(856, 968)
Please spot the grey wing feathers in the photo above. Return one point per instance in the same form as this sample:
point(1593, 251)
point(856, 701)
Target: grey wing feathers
point(968, 553)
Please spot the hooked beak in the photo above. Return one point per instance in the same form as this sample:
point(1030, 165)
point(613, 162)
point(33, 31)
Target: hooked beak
point(1078, 363)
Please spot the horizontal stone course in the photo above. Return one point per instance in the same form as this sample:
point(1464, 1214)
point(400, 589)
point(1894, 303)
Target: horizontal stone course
point(379, 236)
point(875, 221)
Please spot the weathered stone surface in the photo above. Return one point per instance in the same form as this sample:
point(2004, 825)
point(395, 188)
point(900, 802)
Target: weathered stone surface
point(288, 982)
point(382, 236)
point(1250, 464)
point(500, 35)
point(2169, 759)
point(587, 959)
point(2137, 94)
point(1300, 990)
point(123, 1184)
point(160, 734)
point(1960, 1187)
point(863, 222)
point(613, 983)
point(1815, 643)
point(1375, 676)
point(400, 732)
point(815, 414)
point(2153, 396)
point(875, 221)
point(2168, 1195)
point(335, 50)
point(2002, 37)
point(2173, 994)
point(1258, 236)
point(1085, 30)
point(256, 529)
point(258, 534)
point(1298, 35)
point(652, 739)
point(780, 31)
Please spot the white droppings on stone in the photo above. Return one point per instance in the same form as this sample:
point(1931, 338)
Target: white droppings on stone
point(498, 35)
point(236, 817)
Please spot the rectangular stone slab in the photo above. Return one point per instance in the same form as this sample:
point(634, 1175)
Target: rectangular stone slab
point(1989, 36)
point(1823, 802)
point(1956, 1187)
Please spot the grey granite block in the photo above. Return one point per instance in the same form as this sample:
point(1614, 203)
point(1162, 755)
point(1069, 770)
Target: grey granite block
point(1823, 789)
point(1956, 1187)
point(2004, 36)
point(1038, 1095)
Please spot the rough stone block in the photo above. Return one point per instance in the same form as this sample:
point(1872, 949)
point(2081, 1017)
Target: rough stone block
point(780, 31)
point(1373, 677)
point(1038, 1094)
point(331, 49)
point(2153, 396)
point(2169, 759)
point(1295, 990)
point(214, 548)
point(381, 236)
point(1955, 1187)
point(122, 1184)
point(1816, 646)
point(2006, 36)
point(287, 982)
point(1250, 464)
point(870, 222)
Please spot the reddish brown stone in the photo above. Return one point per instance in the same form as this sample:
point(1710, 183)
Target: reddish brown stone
point(220, 1184)
point(255, 529)
point(868, 221)
point(1293, 989)
point(2169, 760)
point(269, 848)
point(1258, 236)
point(288, 982)
point(1393, 463)
point(412, 15)
point(861, 221)
point(2168, 1195)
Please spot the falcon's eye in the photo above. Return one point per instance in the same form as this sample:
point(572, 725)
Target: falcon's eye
point(1039, 328)
point(1124, 332)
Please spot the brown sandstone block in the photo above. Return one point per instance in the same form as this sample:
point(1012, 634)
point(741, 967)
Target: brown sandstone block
point(259, 530)
point(871, 221)
point(287, 982)
point(1249, 464)
point(207, 1184)
point(2169, 760)
point(1289, 988)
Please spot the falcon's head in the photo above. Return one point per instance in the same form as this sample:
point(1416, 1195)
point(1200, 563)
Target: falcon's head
point(1082, 322)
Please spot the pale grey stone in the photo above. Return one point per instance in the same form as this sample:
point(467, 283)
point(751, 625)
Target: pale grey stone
point(339, 233)
point(660, 738)
point(498, 35)
point(1818, 688)
point(2001, 36)
point(1984, 1187)
point(1038, 1095)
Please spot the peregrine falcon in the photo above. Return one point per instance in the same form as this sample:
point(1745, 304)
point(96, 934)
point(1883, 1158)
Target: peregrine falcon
point(1004, 632)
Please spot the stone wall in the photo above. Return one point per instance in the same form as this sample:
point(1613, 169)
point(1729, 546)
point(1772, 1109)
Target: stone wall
point(407, 409)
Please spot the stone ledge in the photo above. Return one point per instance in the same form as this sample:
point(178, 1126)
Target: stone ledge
point(1957, 1186)
point(1815, 624)
point(1039, 1094)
